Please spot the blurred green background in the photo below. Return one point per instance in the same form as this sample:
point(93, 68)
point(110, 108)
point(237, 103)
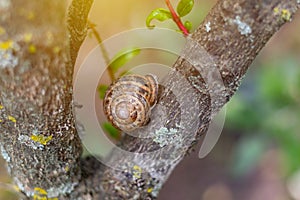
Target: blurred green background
point(258, 154)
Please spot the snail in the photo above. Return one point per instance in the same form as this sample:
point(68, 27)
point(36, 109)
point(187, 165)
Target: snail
point(129, 100)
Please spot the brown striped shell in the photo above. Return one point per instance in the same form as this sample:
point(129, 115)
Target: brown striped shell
point(128, 101)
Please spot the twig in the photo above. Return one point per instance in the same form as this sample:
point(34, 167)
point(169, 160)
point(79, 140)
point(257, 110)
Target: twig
point(103, 49)
point(177, 19)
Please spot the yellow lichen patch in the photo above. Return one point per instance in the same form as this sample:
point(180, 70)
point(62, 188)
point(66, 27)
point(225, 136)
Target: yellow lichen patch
point(1, 107)
point(2, 30)
point(31, 49)
point(16, 188)
point(1, 120)
point(286, 14)
point(149, 190)
point(12, 119)
point(276, 10)
point(27, 37)
point(41, 194)
point(67, 168)
point(137, 173)
point(38, 190)
point(41, 139)
point(6, 45)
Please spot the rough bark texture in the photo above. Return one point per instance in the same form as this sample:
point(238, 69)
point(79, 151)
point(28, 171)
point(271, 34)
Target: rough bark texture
point(38, 136)
point(37, 128)
point(212, 64)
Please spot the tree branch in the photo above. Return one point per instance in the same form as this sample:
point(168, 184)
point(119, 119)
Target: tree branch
point(38, 137)
point(207, 74)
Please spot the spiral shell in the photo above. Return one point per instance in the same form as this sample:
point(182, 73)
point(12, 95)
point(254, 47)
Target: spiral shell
point(128, 101)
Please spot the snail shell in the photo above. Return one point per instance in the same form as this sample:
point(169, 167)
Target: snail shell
point(128, 101)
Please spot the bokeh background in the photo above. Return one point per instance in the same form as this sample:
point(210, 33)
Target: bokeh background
point(258, 154)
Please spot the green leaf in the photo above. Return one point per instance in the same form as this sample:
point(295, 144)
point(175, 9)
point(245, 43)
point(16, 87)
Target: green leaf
point(184, 7)
point(188, 25)
point(102, 89)
point(112, 131)
point(159, 14)
point(122, 57)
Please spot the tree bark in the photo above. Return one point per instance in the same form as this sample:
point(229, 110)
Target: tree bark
point(38, 137)
point(208, 72)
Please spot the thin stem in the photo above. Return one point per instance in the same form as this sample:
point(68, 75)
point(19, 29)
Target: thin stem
point(103, 50)
point(177, 19)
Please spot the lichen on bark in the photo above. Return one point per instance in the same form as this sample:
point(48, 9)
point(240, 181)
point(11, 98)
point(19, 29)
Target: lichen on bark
point(37, 126)
point(38, 138)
